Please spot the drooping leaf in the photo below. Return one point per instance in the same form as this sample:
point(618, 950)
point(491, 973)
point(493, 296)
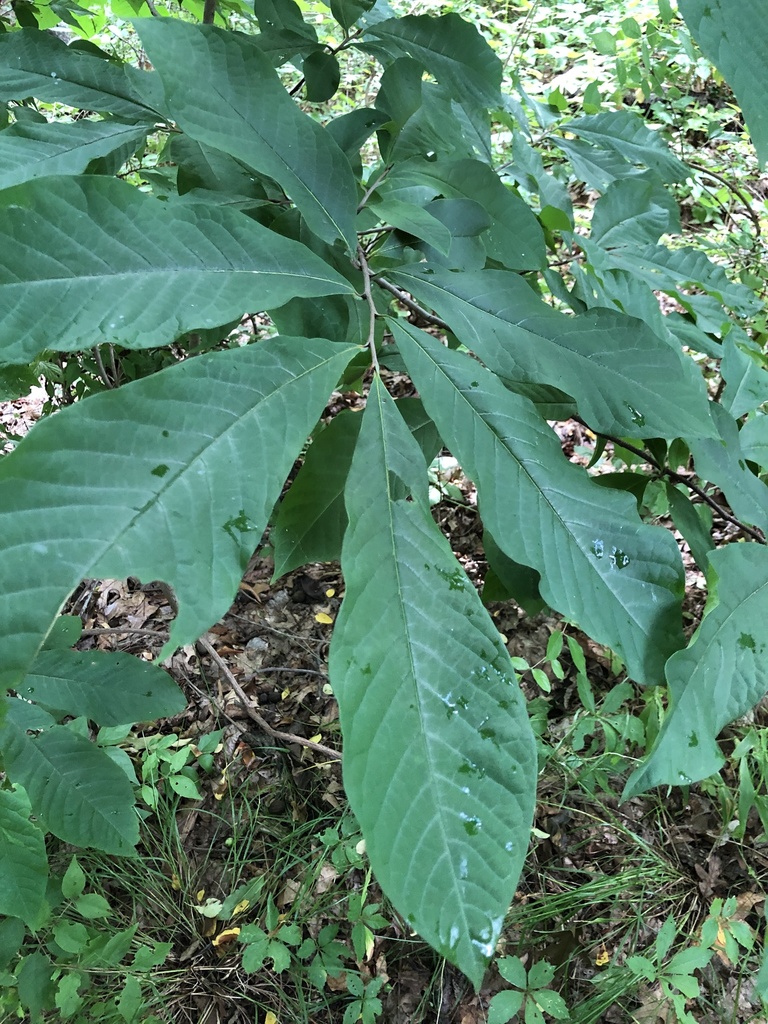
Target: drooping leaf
point(311, 521)
point(90, 259)
point(507, 579)
point(312, 518)
point(744, 368)
point(153, 479)
point(222, 91)
point(322, 75)
point(514, 238)
point(619, 579)
point(74, 787)
point(721, 461)
point(347, 12)
point(753, 439)
point(439, 760)
point(23, 861)
point(634, 211)
point(35, 150)
point(718, 677)
point(615, 368)
point(676, 271)
point(450, 49)
point(734, 36)
point(691, 525)
point(625, 133)
point(110, 689)
point(40, 65)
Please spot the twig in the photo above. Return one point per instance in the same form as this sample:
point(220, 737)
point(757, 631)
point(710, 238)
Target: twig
point(121, 629)
point(277, 734)
point(409, 303)
point(152, 9)
point(209, 12)
point(368, 296)
point(100, 365)
point(372, 188)
point(680, 479)
point(737, 191)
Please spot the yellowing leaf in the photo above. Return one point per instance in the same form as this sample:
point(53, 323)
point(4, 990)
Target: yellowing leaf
point(226, 937)
point(316, 738)
point(175, 882)
point(270, 1018)
point(241, 907)
point(324, 619)
point(330, 592)
point(200, 894)
point(285, 694)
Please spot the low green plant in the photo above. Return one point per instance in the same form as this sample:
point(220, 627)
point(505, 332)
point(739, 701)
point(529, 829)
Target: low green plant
point(348, 232)
point(75, 963)
point(529, 1000)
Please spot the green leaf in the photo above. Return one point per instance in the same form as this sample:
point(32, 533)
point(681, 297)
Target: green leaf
point(347, 12)
point(619, 579)
point(185, 787)
point(92, 906)
point(439, 759)
point(718, 677)
point(450, 49)
point(35, 981)
point(512, 970)
point(676, 271)
point(634, 211)
point(108, 688)
point(691, 526)
point(506, 578)
point(222, 90)
point(734, 35)
point(12, 932)
point(627, 134)
point(73, 882)
point(311, 521)
point(753, 438)
point(504, 1006)
point(23, 861)
point(722, 462)
point(35, 150)
point(615, 368)
point(322, 75)
point(80, 794)
point(40, 65)
point(743, 368)
point(139, 272)
point(514, 238)
point(157, 496)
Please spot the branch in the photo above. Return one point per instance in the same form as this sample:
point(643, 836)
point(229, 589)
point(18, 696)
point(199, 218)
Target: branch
point(409, 303)
point(679, 479)
point(372, 313)
point(209, 12)
point(286, 737)
point(372, 188)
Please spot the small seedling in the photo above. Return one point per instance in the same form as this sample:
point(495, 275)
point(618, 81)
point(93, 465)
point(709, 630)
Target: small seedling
point(529, 995)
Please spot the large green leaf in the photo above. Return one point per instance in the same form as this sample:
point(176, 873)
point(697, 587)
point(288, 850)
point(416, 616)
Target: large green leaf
point(734, 35)
point(634, 211)
point(109, 689)
point(718, 677)
point(744, 368)
point(40, 65)
point(515, 237)
point(615, 368)
point(171, 477)
point(75, 788)
point(675, 271)
point(223, 91)
point(450, 49)
point(627, 134)
point(439, 759)
point(619, 579)
point(23, 861)
point(29, 150)
point(86, 260)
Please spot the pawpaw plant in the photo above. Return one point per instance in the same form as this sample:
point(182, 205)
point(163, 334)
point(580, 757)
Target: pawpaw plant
point(354, 233)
